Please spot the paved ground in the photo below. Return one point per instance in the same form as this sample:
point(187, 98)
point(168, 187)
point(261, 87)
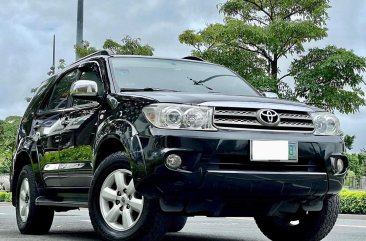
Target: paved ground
point(75, 225)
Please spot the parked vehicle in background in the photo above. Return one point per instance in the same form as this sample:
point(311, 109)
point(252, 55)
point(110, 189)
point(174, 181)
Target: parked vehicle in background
point(146, 142)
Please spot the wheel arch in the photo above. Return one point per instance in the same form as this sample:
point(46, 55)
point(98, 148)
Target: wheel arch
point(108, 146)
point(120, 135)
point(21, 159)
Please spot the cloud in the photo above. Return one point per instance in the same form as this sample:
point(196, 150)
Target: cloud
point(27, 27)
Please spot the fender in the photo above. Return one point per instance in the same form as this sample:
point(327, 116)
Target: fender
point(126, 133)
point(25, 150)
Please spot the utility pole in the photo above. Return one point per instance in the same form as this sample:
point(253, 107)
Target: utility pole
point(79, 25)
point(52, 69)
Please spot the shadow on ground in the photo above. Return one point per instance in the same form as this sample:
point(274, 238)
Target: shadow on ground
point(89, 235)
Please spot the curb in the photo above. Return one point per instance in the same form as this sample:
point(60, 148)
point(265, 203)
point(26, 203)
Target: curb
point(5, 203)
point(352, 216)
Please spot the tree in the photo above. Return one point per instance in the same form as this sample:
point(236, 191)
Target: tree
point(128, 46)
point(357, 164)
point(61, 64)
point(258, 34)
point(322, 76)
point(348, 141)
point(83, 49)
point(8, 129)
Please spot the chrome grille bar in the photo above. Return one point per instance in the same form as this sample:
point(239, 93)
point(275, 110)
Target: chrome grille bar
point(243, 118)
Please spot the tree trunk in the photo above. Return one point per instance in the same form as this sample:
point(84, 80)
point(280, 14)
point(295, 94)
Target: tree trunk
point(274, 70)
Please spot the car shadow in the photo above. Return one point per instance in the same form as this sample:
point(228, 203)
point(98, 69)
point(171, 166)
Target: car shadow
point(182, 236)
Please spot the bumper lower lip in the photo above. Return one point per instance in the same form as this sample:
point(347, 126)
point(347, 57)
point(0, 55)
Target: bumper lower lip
point(228, 193)
point(241, 184)
point(236, 184)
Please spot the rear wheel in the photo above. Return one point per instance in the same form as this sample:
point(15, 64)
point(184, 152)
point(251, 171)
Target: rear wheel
point(30, 218)
point(306, 226)
point(116, 210)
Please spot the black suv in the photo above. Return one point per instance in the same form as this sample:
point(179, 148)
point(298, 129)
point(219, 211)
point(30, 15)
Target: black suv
point(145, 142)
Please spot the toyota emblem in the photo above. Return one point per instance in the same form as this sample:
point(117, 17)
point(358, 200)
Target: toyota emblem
point(268, 117)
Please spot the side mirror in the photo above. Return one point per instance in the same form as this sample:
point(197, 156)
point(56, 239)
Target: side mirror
point(270, 95)
point(84, 89)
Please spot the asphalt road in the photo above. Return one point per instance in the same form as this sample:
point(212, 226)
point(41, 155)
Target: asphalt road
point(75, 225)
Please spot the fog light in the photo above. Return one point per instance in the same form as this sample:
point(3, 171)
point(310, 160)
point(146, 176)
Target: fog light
point(339, 165)
point(173, 161)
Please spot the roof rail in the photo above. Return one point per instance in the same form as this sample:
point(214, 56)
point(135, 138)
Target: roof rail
point(194, 58)
point(106, 52)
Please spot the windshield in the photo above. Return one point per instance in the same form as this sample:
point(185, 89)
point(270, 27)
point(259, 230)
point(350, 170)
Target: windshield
point(149, 74)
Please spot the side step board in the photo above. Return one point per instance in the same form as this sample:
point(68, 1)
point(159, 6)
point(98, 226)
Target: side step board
point(61, 202)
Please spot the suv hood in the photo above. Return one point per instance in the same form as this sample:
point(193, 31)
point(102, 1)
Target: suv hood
point(213, 99)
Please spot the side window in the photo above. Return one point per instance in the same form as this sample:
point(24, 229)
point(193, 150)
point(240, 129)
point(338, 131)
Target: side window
point(61, 91)
point(94, 76)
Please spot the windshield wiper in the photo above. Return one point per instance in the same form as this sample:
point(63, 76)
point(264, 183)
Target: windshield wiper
point(144, 89)
point(201, 82)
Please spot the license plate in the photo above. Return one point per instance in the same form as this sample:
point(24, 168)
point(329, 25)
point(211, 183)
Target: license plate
point(273, 151)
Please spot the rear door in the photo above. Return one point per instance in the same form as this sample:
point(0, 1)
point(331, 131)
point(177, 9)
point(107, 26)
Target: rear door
point(78, 133)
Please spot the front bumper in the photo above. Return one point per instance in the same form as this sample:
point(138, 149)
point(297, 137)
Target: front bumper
point(217, 175)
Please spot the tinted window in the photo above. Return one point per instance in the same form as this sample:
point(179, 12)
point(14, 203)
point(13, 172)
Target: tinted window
point(61, 91)
point(187, 76)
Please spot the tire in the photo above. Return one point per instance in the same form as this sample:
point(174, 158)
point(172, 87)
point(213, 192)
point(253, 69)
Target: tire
point(111, 205)
point(176, 223)
point(311, 226)
point(31, 219)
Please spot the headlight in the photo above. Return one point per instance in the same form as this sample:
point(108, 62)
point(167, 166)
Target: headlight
point(174, 116)
point(326, 124)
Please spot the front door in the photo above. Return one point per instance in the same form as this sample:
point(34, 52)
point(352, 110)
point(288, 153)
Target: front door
point(79, 129)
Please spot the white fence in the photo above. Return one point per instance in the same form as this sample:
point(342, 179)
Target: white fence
point(355, 183)
point(4, 182)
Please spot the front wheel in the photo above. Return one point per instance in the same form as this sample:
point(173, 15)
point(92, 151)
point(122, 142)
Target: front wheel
point(306, 226)
point(116, 210)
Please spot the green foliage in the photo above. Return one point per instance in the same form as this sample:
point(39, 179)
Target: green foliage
point(8, 129)
point(244, 63)
point(128, 46)
point(5, 196)
point(83, 49)
point(262, 32)
point(348, 141)
point(353, 202)
point(357, 164)
point(257, 34)
point(330, 78)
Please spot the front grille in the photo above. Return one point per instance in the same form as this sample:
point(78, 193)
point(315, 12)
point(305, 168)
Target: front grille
point(246, 118)
point(242, 163)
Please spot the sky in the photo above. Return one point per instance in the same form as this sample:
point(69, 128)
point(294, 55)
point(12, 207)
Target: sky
point(27, 27)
